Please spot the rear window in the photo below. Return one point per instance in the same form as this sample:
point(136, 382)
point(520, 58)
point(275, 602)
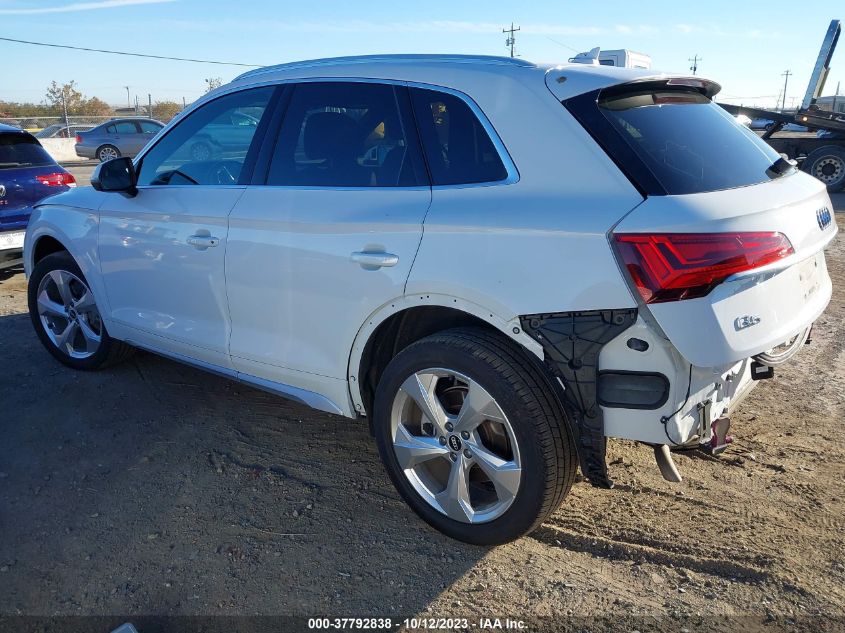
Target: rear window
point(21, 150)
point(680, 139)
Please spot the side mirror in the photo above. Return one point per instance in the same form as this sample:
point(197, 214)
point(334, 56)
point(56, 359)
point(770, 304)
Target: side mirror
point(118, 174)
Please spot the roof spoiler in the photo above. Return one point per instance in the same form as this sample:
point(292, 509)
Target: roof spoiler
point(706, 87)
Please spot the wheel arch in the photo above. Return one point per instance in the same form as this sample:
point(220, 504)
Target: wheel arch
point(45, 245)
point(397, 324)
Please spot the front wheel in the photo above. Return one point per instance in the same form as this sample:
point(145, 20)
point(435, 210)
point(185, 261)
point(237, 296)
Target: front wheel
point(472, 436)
point(66, 318)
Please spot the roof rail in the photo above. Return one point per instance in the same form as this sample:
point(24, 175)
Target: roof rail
point(365, 59)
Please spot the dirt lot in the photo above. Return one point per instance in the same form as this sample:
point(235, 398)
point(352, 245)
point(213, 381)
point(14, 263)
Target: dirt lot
point(152, 488)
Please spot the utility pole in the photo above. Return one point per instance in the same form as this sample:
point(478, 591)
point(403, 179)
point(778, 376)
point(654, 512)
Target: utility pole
point(150, 108)
point(833, 107)
point(695, 59)
point(64, 104)
point(128, 101)
point(510, 40)
point(785, 76)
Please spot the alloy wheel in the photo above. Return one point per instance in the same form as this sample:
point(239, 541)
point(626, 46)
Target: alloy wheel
point(69, 314)
point(455, 445)
point(107, 153)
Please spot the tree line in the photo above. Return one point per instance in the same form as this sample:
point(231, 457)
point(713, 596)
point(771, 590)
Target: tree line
point(61, 98)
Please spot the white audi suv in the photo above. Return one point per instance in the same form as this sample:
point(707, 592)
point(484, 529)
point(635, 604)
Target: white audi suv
point(498, 264)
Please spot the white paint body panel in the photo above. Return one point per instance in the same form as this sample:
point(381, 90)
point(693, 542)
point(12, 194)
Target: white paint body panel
point(296, 297)
point(163, 291)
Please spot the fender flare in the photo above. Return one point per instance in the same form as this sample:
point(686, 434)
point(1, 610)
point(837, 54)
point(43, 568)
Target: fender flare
point(510, 326)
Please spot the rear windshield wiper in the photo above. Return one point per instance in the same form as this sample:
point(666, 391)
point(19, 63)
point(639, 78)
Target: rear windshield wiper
point(780, 167)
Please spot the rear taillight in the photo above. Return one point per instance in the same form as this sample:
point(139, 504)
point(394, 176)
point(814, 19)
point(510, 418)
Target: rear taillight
point(78, 138)
point(676, 266)
point(57, 179)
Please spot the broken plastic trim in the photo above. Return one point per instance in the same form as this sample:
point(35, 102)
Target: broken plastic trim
point(572, 342)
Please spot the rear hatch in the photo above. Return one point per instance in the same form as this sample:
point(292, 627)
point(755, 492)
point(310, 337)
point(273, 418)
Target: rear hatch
point(726, 250)
point(27, 174)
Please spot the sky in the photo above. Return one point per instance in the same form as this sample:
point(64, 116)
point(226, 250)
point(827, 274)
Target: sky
point(745, 46)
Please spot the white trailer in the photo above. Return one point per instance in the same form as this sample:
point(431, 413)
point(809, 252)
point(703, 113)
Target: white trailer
point(620, 57)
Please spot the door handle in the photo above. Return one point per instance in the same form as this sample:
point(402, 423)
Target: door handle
point(202, 242)
point(374, 261)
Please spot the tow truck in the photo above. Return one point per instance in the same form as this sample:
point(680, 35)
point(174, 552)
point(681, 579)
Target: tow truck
point(822, 156)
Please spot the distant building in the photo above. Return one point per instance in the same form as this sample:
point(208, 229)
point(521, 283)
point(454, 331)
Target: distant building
point(831, 103)
point(123, 112)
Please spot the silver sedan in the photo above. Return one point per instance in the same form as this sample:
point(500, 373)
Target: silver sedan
point(118, 137)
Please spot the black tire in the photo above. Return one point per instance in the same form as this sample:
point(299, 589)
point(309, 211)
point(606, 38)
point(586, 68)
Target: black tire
point(525, 395)
point(110, 350)
point(828, 165)
point(104, 149)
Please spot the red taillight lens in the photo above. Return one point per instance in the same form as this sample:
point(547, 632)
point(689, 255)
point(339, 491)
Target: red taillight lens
point(57, 179)
point(675, 266)
point(78, 138)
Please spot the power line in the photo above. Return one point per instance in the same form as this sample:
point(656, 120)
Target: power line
point(551, 39)
point(100, 50)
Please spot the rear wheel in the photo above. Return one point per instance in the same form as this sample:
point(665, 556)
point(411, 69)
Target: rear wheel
point(472, 436)
point(107, 152)
point(65, 316)
point(828, 165)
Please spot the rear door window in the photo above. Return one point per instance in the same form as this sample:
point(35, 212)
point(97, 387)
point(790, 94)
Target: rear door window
point(680, 138)
point(21, 150)
point(346, 134)
point(457, 147)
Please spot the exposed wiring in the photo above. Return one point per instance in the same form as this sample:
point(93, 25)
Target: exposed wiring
point(665, 419)
point(100, 50)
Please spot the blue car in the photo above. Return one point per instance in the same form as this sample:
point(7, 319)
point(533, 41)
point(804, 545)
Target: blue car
point(27, 175)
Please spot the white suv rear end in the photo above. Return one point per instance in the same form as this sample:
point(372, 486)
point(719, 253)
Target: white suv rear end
point(499, 264)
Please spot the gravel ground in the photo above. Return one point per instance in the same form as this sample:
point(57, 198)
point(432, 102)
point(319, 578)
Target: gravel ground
point(154, 489)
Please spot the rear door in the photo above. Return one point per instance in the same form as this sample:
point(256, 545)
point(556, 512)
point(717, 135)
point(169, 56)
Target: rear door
point(331, 236)
point(162, 251)
point(726, 252)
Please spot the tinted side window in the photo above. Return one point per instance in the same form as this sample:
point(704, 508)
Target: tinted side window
point(206, 147)
point(341, 134)
point(456, 145)
point(148, 127)
point(110, 129)
point(126, 127)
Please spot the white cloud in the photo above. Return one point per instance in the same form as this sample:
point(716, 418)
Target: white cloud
point(77, 6)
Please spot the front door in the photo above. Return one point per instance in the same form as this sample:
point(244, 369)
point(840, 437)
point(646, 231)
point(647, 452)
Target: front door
point(330, 238)
point(162, 251)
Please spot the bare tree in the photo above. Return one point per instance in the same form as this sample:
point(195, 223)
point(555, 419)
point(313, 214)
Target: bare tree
point(212, 83)
point(61, 96)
